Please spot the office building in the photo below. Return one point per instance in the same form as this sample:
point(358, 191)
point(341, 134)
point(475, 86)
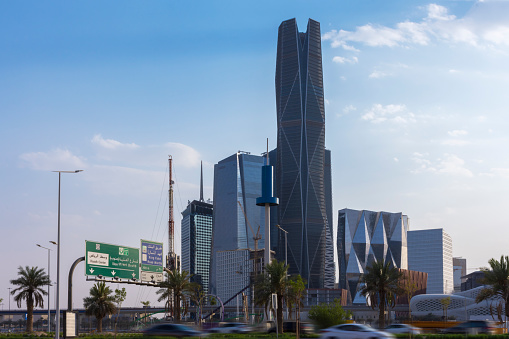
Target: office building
point(237, 179)
point(459, 266)
point(363, 237)
point(196, 228)
point(430, 251)
point(303, 183)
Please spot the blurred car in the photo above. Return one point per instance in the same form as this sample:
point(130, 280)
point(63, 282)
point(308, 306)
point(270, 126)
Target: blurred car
point(174, 330)
point(231, 328)
point(402, 328)
point(472, 327)
point(353, 331)
point(291, 326)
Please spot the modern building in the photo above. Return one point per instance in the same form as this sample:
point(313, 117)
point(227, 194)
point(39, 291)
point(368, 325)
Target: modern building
point(237, 182)
point(472, 280)
point(430, 251)
point(235, 272)
point(414, 283)
point(462, 305)
point(459, 266)
point(303, 183)
point(196, 248)
point(363, 237)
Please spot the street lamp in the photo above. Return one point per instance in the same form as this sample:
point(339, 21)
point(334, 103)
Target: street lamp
point(49, 316)
point(57, 326)
point(10, 319)
point(286, 244)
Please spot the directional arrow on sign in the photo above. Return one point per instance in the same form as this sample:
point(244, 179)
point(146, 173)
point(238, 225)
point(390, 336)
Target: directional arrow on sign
point(134, 274)
point(91, 270)
point(113, 273)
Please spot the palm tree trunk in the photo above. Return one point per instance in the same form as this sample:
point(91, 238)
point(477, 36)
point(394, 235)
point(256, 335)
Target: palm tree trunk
point(280, 313)
point(177, 307)
point(99, 324)
point(30, 315)
point(381, 313)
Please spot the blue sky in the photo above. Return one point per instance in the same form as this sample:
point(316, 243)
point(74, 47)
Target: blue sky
point(416, 103)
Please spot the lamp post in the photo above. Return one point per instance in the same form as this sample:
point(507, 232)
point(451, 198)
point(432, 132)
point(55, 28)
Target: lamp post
point(10, 319)
point(49, 316)
point(57, 325)
point(286, 244)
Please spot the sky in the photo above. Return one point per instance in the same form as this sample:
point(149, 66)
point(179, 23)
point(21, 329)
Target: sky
point(416, 103)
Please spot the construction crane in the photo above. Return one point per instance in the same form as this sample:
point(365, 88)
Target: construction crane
point(256, 237)
point(172, 259)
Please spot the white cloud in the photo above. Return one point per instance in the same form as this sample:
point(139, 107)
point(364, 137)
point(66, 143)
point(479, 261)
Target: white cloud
point(343, 60)
point(378, 75)
point(457, 133)
point(55, 160)
point(389, 113)
point(111, 144)
point(186, 156)
point(497, 172)
point(450, 164)
point(478, 28)
point(395, 159)
point(455, 142)
point(349, 108)
point(454, 165)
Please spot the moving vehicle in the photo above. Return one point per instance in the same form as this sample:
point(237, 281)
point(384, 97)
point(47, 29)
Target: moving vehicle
point(353, 331)
point(402, 328)
point(291, 326)
point(472, 327)
point(174, 330)
point(231, 328)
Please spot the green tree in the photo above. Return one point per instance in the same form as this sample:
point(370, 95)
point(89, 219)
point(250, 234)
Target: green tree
point(174, 290)
point(100, 303)
point(496, 278)
point(273, 280)
point(29, 287)
point(296, 290)
point(445, 305)
point(409, 288)
point(381, 286)
point(120, 295)
point(327, 315)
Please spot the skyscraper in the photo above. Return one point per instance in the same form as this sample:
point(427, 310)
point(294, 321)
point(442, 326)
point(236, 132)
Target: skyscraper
point(237, 179)
point(196, 239)
point(430, 251)
point(365, 236)
point(301, 182)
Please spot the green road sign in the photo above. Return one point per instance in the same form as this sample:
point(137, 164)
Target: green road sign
point(151, 261)
point(112, 260)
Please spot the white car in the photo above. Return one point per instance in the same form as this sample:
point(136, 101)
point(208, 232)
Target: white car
point(231, 328)
point(402, 328)
point(353, 331)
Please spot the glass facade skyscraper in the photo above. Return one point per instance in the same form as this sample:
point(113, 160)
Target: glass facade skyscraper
point(236, 179)
point(196, 241)
point(365, 236)
point(301, 157)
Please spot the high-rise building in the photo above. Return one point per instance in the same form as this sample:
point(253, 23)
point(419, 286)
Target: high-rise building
point(237, 179)
point(366, 236)
point(459, 266)
point(302, 177)
point(430, 251)
point(196, 239)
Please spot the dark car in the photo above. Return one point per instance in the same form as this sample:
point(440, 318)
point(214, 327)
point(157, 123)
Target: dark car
point(472, 327)
point(291, 326)
point(174, 330)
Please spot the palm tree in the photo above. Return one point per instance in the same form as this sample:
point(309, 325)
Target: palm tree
point(29, 282)
point(381, 286)
point(100, 303)
point(175, 288)
point(497, 281)
point(273, 280)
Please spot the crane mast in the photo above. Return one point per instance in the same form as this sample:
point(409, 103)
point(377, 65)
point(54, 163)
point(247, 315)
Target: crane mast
point(172, 259)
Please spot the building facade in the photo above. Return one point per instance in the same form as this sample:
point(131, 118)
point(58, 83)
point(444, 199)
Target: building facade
point(301, 157)
point(430, 251)
point(459, 266)
point(237, 179)
point(363, 237)
point(196, 241)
